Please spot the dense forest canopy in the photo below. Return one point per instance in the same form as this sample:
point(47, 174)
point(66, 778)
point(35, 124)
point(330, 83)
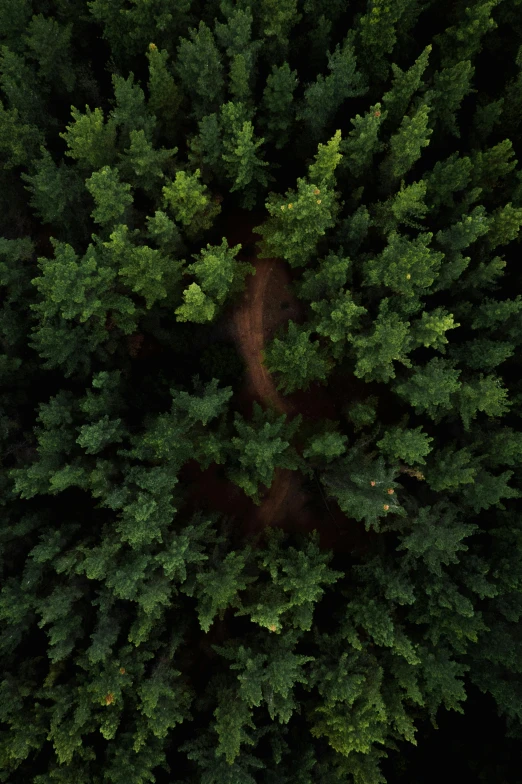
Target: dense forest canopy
point(261, 387)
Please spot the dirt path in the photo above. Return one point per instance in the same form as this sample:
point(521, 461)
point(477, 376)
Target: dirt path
point(290, 502)
point(249, 332)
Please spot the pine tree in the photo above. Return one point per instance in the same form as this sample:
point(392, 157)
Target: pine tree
point(298, 360)
point(219, 277)
point(406, 146)
point(404, 86)
point(260, 447)
point(450, 87)
point(363, 486)
point(277, 112)
point(362, 143)
point(54, 189)
point(91, 142)
point(200, 69)
point(49, 44)
point(377, 36)
point(431, 388)
point(405, 266)
point(463, 40)
point(295, 226)
point(111, 197)
point(326, 95)
point(142, 165)
point(235, 37)
point(447, 177)
point(389, 340)
point(430, 330)
point(164, 101)
point(411, 445)
point(190, 203)
point(243, 165)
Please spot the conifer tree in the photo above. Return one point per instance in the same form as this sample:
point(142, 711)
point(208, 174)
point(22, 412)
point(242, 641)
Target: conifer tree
point(296, 359)
point(405, 84)
point(164, 101)
point(404, 266)
point(219, 277)
point(362, 143)
point(189, 201)
point(431, 388)
point(91, 142)
point(363, 486)
point(235, 37)
point(389, 340)
point(406, 146)
point(326, 95)
point(56, 190)
point(405, 206)
point(377, 36)
point(142, 165)
point(299, 220)
point(277, 113)
point(200, 69)
point(260, 447)
point(463, 40)
point(450, 87)
point(242, 162)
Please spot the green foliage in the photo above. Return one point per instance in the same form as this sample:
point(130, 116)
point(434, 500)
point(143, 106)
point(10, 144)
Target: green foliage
point(297, 359)
point(148, 272)
point(220, 276)
point(49, 44)
point(363, 412)
point(141, 164)
point(261, 446)
point(361, 485)
point(298, 220)
point(218, 588)
point(408, 444)
point(362, 143)
point(484, 393)
point(431, 388)
point(277, 113)
point(430, 330)
point(200, 70)
point(190, 202)
point(54, 189)
point(91, 142)
point(111, 196)
point(165, 97)
point(404, 86)
point(447, 177)
point(144, 599)
point(389, 340)
point(504, 226)
point(236, 38)
point(297, 582)
point(406, 146)
point(377, 33)
point(245, 168)
point(402, 207)
point(464, 40)
point(324, 447)
point(326, 95)
point(197, 306)
point(405, 266)
point(450, 87)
